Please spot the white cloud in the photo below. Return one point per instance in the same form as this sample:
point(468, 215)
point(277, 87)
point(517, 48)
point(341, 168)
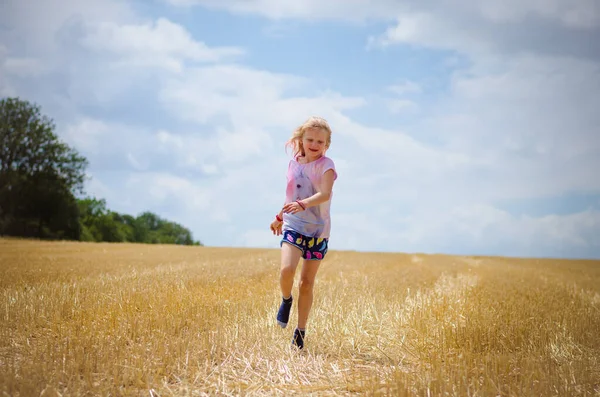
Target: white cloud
point(534, 121)
point(405, 87)
point(483, 228)
point(161, 43)
point(95, 52)
point(401, 105)
point(189, 151)
point(87, 134)
point(116, 145)
point(402, 171)
point(222, 148)
point(243, 143)
point(402, 90)
point(482, 225)
point(435, 30)
point(43, 21)
point(23, 67)
point(174, 129)
point(465, 30)
point(416, 17)
point(250, 95)
point(162, 186)
point(255, 103)
point(139, 164)
point(5, 88)
point(334, 9)
point(582, 14)
point(173, 197)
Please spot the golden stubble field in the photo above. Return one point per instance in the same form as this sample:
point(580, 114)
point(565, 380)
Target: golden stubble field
point(80, 319)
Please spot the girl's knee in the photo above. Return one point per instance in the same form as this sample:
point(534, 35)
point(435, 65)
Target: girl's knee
point(306, 285)
point(287, 271)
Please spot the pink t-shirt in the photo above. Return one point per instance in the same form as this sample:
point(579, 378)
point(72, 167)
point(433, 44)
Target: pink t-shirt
point(303, 181)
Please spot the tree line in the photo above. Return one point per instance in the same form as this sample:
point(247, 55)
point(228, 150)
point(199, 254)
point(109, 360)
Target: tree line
point(42, 189)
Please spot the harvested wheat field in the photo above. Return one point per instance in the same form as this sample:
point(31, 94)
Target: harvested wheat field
point(122, 319)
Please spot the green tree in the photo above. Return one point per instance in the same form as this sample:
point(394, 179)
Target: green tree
point(110, 230)
point(98, 223)
point(39, 175)
point(126, 225)
point(90, 212)
point(162, 231)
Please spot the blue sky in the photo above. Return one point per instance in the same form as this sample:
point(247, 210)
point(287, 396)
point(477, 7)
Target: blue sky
point(459, 127)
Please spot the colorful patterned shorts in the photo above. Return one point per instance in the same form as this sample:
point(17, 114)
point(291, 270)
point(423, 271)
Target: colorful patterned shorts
point(312, 247)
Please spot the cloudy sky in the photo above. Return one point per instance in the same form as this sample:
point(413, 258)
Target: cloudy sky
point(460, 126)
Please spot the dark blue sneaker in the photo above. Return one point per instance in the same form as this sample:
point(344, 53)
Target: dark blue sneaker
point(283, 315)
point(298, 339)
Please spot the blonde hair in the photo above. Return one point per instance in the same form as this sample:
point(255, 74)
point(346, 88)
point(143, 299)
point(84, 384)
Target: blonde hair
point(295, 141)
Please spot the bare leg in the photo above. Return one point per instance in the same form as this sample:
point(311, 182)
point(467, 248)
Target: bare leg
point(305, 299)
point(290, 256)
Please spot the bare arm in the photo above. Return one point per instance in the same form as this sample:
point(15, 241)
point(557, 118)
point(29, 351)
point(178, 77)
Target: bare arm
point(324, 191)
point(276, 225)
point(323, 194)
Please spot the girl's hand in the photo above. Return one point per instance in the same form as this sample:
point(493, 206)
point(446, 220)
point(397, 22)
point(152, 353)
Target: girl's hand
point(276, 227)
point(292, 208)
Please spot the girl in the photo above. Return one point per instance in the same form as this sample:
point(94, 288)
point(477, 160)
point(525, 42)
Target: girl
point(304, 221)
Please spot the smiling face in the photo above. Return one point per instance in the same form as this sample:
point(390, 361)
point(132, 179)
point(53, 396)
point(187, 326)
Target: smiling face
point(314, 142)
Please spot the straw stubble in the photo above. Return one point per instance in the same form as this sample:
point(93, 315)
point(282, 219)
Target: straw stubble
point(126, 319)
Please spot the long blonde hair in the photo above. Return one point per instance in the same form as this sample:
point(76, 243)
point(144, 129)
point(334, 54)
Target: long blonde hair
point(295, 141)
